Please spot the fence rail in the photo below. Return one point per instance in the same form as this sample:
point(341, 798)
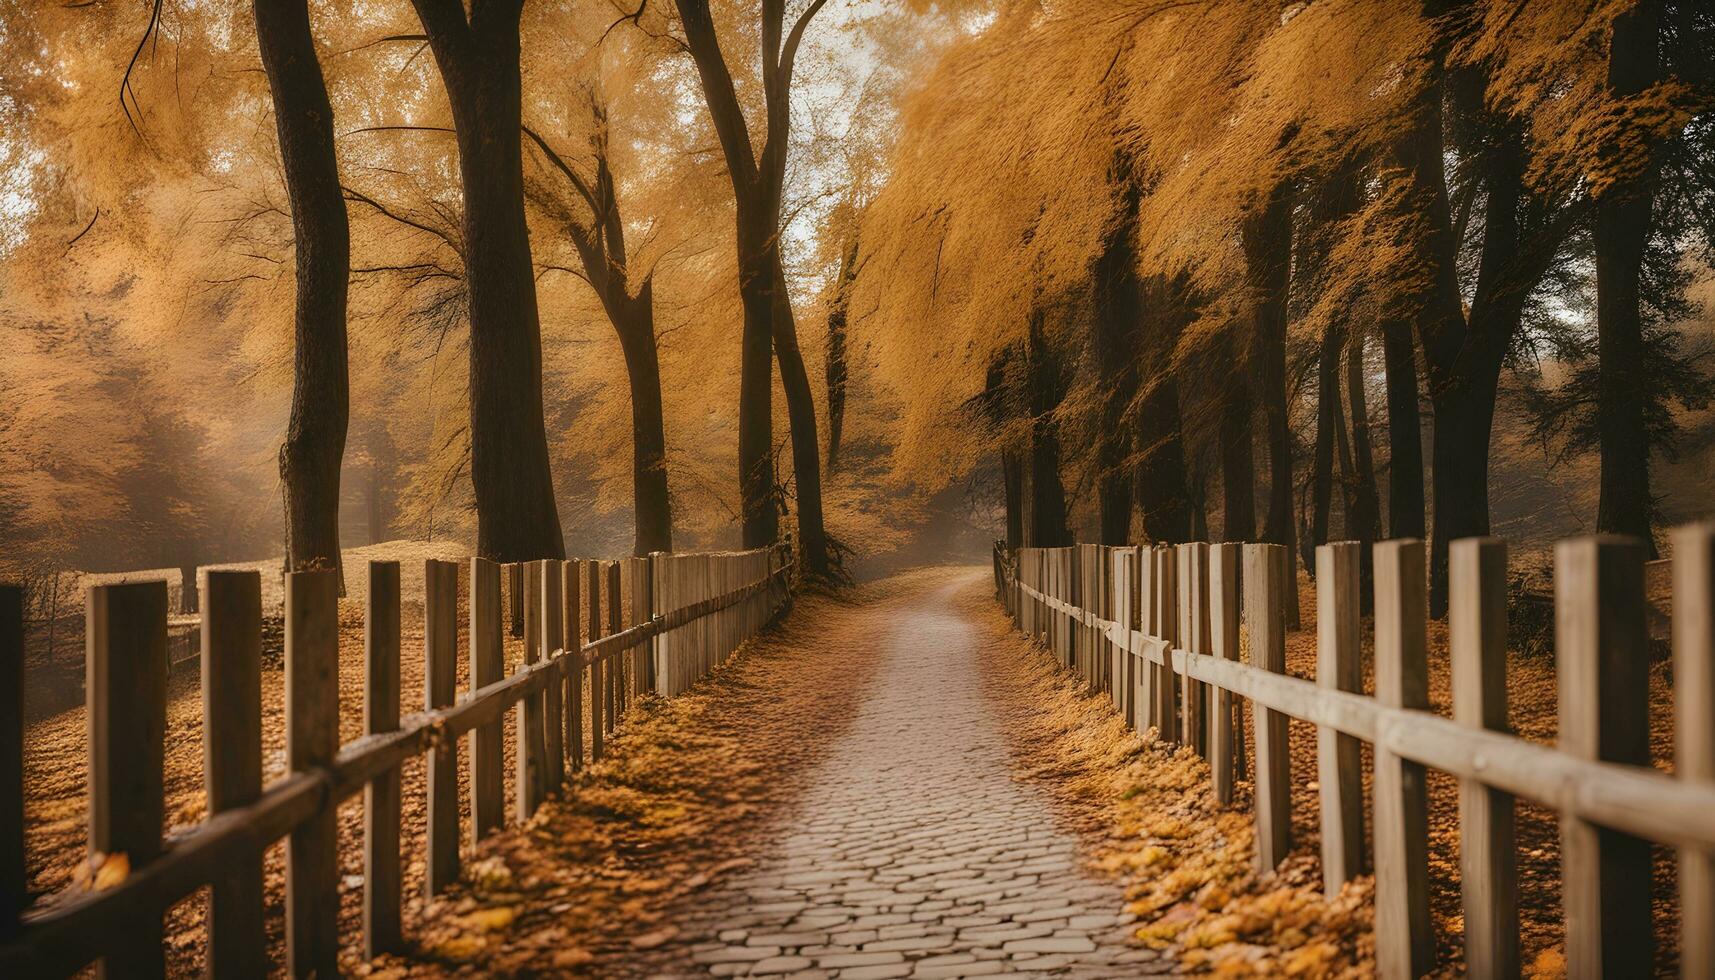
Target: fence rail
point(699, 609)
point(1179, 637)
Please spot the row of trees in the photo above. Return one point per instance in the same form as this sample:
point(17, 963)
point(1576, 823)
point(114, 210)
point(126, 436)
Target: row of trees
point(1157, 233)
point(478, 54)
point(444, 182)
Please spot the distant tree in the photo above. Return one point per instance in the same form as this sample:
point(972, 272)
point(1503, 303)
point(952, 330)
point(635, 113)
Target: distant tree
point(837, 368)
point(597, 231)
point(758, 181)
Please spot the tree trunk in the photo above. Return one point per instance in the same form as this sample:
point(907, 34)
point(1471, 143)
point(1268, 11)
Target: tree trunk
point(1047, 525)
point(1463, 353)
point(1328, 423)
point(1162, 483)
point(517, 516)
point(836, 357)
point(652, 508)
point(315, 435)
point(1238, 468)
point(1118, 303)
point(1162, 480)
point(188, 603)
point(1622, 235)
point(1363, 506)
point(759, 505)
point(1012, 474)
point(1267, 243)
point(1405, 433)
point(806, 445)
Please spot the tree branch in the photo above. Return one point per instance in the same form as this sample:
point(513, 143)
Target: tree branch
point(560, 164)
point(352, 194)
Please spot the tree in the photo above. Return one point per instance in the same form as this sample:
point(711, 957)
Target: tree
point(315, 437)
point(1521, 231)
point(1267, 240)
point(1116, 320)
point(1622, 235)
point(478, 57)
point(599, 238)
point(835, 370)
point(769, 330)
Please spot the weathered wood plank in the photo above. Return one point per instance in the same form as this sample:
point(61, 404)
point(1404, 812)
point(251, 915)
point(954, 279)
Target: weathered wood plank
point(312, 741)
point(487, 666)
point(440, 679)
point(1405, 944)
point(14, 881)
point(1488, 855)
point(1265, 623)
point(1602, 654)
point(615, 665)
point(232, 760)
point(126, 644)
point(1339, 759)
point(1193, 578)
point(1694, 731)
point(598, 690)
point(382, 883)
point(530, 780)
point(1224, 643)
point(572, 617)
point(553, 697)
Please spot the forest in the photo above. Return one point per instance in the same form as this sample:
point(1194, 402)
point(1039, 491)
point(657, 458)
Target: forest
point(886, 280)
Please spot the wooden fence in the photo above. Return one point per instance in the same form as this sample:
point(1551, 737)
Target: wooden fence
point(1164, 631)
point(701, 606)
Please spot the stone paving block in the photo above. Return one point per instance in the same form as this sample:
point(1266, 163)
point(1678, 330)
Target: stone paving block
point(777, 965)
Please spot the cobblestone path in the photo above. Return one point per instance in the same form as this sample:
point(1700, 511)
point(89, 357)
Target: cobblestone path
point(913, 851)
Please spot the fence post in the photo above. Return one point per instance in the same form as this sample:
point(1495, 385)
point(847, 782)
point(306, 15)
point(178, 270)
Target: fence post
point(1488, 859)
point(615, 662)
point(126, 645)
point(1166, 679)
point(312, 740)
point(1339, 760)
point(572, 616)
point(1289, 587)
point(1119, 654)
point(487, 666)
point(647, 611)
point(515, 597)
point(1193, 579)
point(553, 638)
point(1602, 650)
point(1223, 643)
point(1694, 730)
point(381, 798)
point(1266, 624)
point(664, 597)
point(232, 761)
point(440, 679)
point(14, 891)
point(598, 692)
point(1405, 945)
point(529, 777)
point(1149, 617)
